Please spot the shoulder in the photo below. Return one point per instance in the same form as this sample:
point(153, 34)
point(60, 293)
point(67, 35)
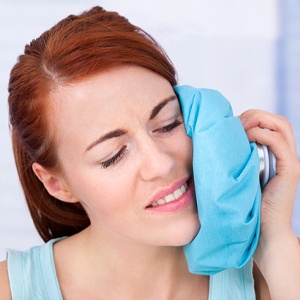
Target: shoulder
point(4, 282)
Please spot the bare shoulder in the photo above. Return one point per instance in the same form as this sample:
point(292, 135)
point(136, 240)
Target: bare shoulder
point(4, 282)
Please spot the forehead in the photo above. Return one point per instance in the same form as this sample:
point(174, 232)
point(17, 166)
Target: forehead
point(124, 88)
point(107, 100)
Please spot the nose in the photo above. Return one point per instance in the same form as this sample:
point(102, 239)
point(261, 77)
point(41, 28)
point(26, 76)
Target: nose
point(156, 159)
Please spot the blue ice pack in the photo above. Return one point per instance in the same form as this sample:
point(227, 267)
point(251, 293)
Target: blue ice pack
point(226, 175)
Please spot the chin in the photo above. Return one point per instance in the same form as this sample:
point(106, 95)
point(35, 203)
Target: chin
point(185, 235)
point(185, 239)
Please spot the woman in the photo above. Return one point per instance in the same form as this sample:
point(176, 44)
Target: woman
point(100, 145)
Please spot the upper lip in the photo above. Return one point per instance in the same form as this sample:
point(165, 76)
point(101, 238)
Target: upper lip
point(168, 190)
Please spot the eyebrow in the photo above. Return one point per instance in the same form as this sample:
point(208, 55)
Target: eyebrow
point(119, 132)
point(160, 105)
point(109, 135)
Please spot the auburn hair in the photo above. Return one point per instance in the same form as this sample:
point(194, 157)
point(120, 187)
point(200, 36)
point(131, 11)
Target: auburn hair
point(73, 49)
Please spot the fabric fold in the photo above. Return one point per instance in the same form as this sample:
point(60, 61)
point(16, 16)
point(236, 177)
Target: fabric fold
point(226, 176)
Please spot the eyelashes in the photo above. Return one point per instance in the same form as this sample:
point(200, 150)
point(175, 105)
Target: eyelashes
point(168, 128)
point(116, 158)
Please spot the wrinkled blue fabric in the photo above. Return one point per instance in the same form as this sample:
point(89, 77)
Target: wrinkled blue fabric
point(226, 176)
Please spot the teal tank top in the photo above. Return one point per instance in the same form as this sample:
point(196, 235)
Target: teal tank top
point(32, 276)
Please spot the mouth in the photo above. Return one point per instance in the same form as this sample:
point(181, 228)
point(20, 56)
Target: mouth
point(170, 197)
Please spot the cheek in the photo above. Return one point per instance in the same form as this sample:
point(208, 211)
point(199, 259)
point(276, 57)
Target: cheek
point(184, 148)
point(103, 196)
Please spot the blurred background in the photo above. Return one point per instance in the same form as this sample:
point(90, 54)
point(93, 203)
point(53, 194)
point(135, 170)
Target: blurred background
point(248, 50)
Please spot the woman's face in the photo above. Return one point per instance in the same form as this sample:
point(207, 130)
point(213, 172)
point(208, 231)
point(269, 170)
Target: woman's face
point(126, 156)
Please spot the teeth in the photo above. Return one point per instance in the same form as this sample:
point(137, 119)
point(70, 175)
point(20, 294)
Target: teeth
point(183, 188)
point(171, 197)
point(161, 201)
point(178, 193)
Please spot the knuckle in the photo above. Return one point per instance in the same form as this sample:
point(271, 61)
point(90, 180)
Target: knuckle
point(285, 122)
point(288, 124)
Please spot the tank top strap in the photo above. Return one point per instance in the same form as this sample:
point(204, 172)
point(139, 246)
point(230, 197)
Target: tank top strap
point(32, 273)
point(233, 284)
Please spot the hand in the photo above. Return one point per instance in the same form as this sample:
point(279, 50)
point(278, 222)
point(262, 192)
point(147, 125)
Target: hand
point(279, 194)
point(277, 254)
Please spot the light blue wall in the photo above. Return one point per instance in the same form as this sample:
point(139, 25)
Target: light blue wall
point(288, 75)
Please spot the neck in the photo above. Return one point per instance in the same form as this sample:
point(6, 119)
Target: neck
point(132, 269)
point(121, 253)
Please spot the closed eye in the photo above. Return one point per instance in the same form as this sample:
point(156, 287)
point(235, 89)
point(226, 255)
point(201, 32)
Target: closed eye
point(114, 159)
point(169, 127)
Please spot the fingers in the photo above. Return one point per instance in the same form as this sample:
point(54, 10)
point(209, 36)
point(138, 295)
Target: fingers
point(279, 194)
point(280, 131)
point(269, 138)
point(275, 132)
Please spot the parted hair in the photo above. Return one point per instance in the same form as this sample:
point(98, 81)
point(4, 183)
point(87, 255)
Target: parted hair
point(75, 48)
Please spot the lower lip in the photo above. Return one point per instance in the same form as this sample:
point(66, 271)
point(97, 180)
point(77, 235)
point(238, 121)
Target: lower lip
point(184, 201)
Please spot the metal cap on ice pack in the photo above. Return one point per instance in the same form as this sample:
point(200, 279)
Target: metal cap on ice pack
point(267, 164)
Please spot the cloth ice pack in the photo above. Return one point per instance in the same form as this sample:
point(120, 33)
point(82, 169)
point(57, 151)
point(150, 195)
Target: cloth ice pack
point(226, 176)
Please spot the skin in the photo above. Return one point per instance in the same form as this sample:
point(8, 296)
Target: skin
point(126, 238)
point(278, 254)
